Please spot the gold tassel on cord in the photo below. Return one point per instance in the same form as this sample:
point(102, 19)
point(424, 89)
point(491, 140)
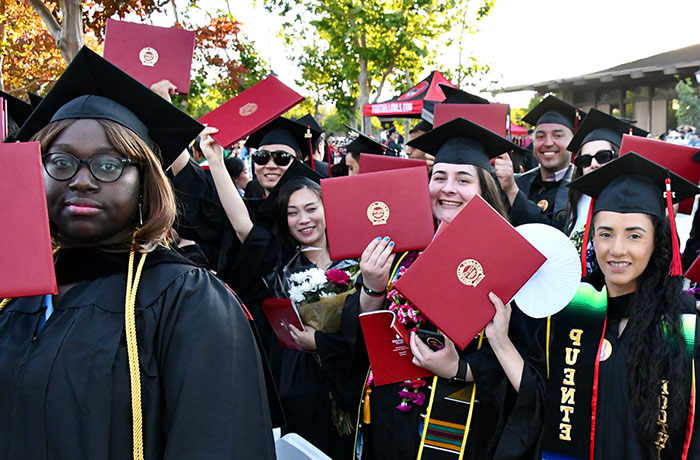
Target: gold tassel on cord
point(366, 419)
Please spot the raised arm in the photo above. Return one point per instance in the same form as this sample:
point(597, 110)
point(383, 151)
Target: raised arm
point(231, 201)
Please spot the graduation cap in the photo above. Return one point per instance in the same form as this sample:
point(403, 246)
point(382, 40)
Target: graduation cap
point(554, 110)
point(423, 125)
point(365, 144)
point(17, 108)
point(634, 184)
point(461, 141)
point(296, 169)
point(34, 99)
point(93, 88)
point(458, 96)
point(310, 121)
point(286, 132)
point(600, 126)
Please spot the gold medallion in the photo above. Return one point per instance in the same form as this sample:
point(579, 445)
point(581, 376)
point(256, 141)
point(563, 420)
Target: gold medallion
point(248, 109)
point(378, 213)
point(148, 56)
point(605, 350)
point(470, 272)
point(543, 205)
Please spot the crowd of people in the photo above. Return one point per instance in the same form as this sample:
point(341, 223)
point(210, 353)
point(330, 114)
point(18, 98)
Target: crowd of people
point(145, 205)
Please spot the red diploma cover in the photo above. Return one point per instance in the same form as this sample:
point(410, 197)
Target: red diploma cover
point(387, 203)
point(477, 253)
point(151, 53)
point(250, 110)
point(370, 163)
point(389, 349)
point(281, 313)
point(25, 241)
point(677, 158)
point(493, 117)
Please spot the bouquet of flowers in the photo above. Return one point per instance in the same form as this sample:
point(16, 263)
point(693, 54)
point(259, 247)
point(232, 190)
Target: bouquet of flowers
point(319, 295)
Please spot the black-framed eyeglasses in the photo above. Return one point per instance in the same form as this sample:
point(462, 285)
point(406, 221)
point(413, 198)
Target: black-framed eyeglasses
point(104, 167)
point(280, 157)
point(601, 156)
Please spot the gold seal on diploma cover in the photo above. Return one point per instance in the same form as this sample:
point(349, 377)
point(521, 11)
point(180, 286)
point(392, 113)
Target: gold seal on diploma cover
point(470, 272)
point(378, 213)
point(148, 56)
point(248, 109)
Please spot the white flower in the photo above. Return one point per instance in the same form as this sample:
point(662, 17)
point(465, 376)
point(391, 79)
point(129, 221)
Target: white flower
point(296, 294)
point(327, 294)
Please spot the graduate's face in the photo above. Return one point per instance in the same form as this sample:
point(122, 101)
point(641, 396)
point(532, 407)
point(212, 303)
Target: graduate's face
point(352, 164)
point(270, 173)
point(412, 151)
point(307, 223)
point(591, 148)
point(452, 186)
point(84, 210)
point(550, 142)
point(623, 245)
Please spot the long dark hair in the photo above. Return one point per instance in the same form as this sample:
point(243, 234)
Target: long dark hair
point(289, 244)
point(656, 344)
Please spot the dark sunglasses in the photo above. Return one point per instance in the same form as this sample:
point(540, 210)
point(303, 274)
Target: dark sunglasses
point(601, 156)
point(104, 167)
point(280, 157)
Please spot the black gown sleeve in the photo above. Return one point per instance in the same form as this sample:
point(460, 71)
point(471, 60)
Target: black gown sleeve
point(212, 380)
point(524, 211)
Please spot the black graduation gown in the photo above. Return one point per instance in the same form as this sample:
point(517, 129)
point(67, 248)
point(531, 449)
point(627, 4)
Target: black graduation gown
point(525, 210)
point(616, 435)
point(66, 390)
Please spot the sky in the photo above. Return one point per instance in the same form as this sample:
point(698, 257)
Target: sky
point(528, 41)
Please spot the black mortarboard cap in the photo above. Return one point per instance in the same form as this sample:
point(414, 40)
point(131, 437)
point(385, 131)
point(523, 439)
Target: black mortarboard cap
point(554, 110)
point(423, 126)
point(91, 75)
point(284, 131)
point(310, 121)
point(296, 169)
point(461, 141)
point(34, 99)
point(600, 126)
point(631, 184)
point(365, 144)
point(458, 96)
point(17, 108)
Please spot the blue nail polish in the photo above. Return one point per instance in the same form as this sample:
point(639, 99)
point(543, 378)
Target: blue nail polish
point(386, 238)
point(378, 238)
point(391, 244)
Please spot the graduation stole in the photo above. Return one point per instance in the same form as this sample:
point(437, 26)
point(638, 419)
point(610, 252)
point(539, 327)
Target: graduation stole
point(448, 419)
point(572, 378)
point(572, 375)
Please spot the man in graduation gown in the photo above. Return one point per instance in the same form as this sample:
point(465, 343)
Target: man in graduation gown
point(540, 195)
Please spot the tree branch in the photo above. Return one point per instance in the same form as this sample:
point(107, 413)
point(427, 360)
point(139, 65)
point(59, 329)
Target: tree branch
point(386, 74)
point(45, 14)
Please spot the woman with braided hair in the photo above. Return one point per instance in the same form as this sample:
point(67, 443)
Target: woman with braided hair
point(173, 371)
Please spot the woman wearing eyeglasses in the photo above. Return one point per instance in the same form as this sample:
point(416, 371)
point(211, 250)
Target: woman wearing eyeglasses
point(596, 142)
point(140, 354)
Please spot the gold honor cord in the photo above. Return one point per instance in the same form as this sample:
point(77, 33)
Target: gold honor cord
point(133, 352)
point(546, 346)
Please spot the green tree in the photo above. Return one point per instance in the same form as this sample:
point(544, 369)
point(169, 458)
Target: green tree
point(349, 50)
point(688, 104)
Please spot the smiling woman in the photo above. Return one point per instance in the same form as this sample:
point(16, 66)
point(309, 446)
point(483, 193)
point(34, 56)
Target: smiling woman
point(90, 375)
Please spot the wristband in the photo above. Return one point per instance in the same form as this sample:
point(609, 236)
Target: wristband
point(372, 293)
point(461, 375)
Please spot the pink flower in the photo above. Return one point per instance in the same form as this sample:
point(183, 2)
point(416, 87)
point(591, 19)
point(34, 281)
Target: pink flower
point(403, 407)
point(419, 399)
point(338, 277)
point(417, 383)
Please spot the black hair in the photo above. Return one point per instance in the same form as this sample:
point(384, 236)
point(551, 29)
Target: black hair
point(234, 166)
point(289, 244)
point(656, 345)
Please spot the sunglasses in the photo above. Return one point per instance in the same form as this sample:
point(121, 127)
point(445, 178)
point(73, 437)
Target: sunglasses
point(104, 167)
point(280, 157)
point(601, 156)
